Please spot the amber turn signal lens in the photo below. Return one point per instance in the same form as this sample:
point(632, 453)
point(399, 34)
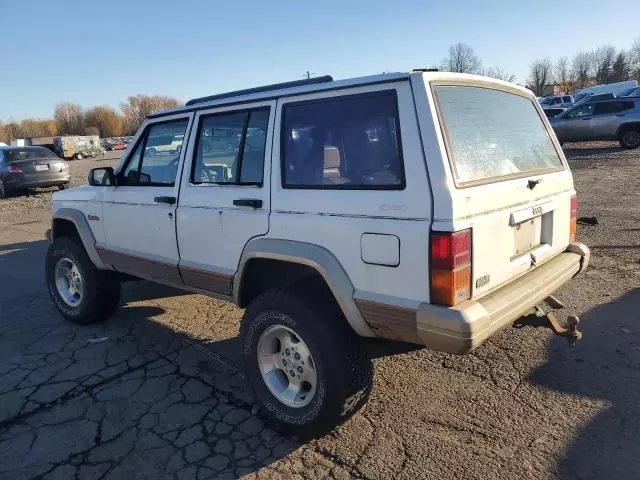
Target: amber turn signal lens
point(450, 287)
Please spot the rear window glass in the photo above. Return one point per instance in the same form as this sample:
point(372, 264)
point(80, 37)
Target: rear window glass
point(33, 153)
point(492, 133)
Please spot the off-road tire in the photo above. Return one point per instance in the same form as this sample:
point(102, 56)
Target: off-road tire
point(101, 294)
point(626, 144)
point(3, 189)
point(343, 366)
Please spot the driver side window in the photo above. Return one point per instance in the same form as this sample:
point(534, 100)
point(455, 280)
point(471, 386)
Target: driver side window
point(154, 161)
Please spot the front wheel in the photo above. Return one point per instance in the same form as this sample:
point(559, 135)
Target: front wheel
point(307, 369)
point(81, 292)
point(630, 138)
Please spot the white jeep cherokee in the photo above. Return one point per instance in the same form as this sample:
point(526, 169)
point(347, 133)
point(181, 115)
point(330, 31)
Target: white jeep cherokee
point(427, 207)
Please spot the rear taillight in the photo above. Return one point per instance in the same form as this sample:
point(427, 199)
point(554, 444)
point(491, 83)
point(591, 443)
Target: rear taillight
point(14, 168)
point(450, 262)
point(574, 216)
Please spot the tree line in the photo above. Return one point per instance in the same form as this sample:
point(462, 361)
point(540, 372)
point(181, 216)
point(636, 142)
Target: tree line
point(105, 121)
point(605, 64)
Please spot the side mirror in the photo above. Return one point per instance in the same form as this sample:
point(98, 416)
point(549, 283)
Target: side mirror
point(102, 177)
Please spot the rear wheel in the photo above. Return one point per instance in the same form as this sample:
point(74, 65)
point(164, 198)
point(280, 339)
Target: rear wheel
point(3, 190)
point(81, 292)
point(630, 137)
point(79, 156)
point(307, 369)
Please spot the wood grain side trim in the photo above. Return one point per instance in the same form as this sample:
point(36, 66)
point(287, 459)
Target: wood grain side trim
point(390, 321)
point(135, 265)
point(215, 282)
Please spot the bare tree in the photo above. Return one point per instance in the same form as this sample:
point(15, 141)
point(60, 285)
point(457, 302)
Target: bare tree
point(500, 74)
point(563, 75)
point(634, 58)
point(105, 119)
point(581, 68)
point(540, 74)
point(461, 59)
point(69, 119)
point(603, 59)
point(139, 106)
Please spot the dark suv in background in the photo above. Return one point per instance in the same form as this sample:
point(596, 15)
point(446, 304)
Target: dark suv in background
point(611, 119)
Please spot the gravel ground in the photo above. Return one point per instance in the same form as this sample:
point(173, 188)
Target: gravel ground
point(158, 392)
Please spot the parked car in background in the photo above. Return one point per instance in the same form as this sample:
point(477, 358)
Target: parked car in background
point(553, 111)
point(618, 89)
point(611, 119)
point(557, 101)
point(22, 168)
point(118, 146)
point(634, 92)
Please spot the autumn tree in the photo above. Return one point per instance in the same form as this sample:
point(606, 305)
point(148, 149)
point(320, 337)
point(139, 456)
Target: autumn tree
point(138, 107)
point(581, 68)
point(105, 120)
point(499, 74)
point(461, 59)
point(540, 74)
point(69, 119)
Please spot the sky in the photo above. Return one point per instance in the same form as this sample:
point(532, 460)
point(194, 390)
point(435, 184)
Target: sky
point(98, 53)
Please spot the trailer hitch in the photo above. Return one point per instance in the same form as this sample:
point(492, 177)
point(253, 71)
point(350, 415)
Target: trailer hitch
point(569, 330)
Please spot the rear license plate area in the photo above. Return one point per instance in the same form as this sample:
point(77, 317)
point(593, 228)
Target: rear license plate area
point(42, 168)
point(527, 236)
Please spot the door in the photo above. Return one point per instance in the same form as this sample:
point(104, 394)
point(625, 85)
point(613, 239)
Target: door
point(224, 199)
point(511, 187)
point(607, 117)
point(575, 125)
point(139, 212)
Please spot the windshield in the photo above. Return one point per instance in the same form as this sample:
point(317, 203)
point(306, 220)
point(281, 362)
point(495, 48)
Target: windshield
point(28, 153)
point(492, 133)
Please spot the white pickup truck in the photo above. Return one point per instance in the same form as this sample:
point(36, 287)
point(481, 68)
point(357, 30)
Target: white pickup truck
point(432, 208)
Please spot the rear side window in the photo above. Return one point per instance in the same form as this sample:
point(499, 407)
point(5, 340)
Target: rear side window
point(492, 133)
point(566, 99)
point(612, 107)
point(349, 142)
point(231, 148)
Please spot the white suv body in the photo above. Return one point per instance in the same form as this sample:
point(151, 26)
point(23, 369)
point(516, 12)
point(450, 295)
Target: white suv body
point(433, 208)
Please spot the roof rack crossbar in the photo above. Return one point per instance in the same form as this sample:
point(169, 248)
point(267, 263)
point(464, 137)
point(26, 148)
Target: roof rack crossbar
point(265, 88)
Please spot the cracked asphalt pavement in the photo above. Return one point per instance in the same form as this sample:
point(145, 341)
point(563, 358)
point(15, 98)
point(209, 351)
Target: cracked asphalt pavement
point(157, 392)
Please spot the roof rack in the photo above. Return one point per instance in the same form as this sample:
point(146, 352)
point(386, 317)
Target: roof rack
point(265, 88)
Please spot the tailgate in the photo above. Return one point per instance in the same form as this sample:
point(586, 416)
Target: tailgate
point(511, 185)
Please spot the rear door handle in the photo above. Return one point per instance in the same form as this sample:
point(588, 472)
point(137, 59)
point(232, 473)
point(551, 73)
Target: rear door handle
point(620, 114)
point(248, 202)
point(167, 200)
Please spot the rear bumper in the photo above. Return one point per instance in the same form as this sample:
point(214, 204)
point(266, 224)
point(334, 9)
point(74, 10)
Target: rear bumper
point(462, 328)
point(17, 183)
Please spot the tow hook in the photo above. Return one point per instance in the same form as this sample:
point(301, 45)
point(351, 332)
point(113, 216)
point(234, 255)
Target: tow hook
point(571, 329)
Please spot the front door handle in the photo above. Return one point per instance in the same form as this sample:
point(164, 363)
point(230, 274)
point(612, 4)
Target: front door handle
point(167, 200)
point(248, 202)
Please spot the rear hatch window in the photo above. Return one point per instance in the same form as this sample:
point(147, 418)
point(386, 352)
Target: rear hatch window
point(492, 134)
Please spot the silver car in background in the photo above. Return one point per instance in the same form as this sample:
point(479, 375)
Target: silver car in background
point(611, 119)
